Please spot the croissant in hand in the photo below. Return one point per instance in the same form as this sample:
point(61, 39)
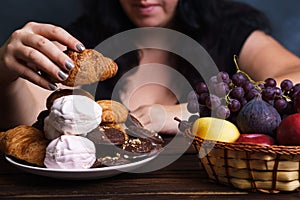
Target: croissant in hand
point(90, 67)
point(25, 143)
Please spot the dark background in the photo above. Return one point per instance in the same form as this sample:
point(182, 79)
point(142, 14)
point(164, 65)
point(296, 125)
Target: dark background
point(284, 16)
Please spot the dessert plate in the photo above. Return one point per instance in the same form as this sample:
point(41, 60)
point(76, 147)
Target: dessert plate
point(81, 174)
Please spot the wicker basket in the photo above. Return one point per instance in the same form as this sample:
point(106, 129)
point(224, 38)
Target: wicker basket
point(253, 167)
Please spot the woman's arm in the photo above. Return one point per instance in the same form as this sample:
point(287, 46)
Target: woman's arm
point(263, 57)
point(21, 102)
point(26, 53)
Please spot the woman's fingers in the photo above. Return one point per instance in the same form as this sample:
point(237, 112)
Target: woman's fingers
point(33, 76)
point(55, 33)
point(35, 48)
point(49, 49)
point(151, 116)
point(42, 62)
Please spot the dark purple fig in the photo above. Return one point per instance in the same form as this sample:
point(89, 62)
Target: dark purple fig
point(258, 116)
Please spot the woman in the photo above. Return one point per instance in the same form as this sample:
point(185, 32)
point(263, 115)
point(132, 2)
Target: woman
point(223, 28)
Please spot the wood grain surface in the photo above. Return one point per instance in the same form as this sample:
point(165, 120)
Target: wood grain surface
point(183, 179)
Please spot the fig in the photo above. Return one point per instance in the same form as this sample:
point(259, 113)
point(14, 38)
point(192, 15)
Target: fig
point(258, 116)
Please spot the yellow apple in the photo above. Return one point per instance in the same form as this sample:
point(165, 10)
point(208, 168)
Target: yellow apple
point(211, 128)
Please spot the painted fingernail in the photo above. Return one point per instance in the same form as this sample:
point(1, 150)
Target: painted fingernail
point(80, 47)
point(69, 64)
point(62, 75)
point(52, 86)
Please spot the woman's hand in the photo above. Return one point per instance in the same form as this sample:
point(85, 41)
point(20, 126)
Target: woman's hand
point(160, 118)
point(35, 48)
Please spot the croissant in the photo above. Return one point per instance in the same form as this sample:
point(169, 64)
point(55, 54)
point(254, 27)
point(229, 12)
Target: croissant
point(25, 143)
point(113, 111)
point(90, 67)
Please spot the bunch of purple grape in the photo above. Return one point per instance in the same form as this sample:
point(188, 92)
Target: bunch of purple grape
point(223, 97)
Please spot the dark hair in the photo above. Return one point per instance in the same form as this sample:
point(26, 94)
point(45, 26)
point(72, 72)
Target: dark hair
point(220, 26)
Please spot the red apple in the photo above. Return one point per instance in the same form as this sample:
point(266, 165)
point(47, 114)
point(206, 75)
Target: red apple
point(256, 138)
point(288, 131)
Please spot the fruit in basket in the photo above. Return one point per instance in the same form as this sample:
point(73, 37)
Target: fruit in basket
point(223, 96)
point(258, 116)
point(211, 128)
point(256, 138)
point(297, 102)
point(288, 131)
point(255, 107)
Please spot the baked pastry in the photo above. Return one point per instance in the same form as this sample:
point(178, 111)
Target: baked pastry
point(25, 143)
point(64, 92)
point(113, 112)
point(90, 67)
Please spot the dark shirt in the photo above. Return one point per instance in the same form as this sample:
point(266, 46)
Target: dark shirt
point(222, 36)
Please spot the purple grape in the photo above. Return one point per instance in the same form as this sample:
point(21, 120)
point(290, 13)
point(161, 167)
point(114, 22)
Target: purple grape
point(270, 82)
point(290, 109)
point(184, 125)
point(247, 86)
point(202, 98)
point(193, 118)
point(223, 101)
point(193, 106)
point(223, 77)
point(296, 102)
point(192, 96)
point(251, 94)
point(221, 89)
point(234, 105)
point(237, 93)
point(286, 85)
point(294, 91)
point(243, 101)
point(213, 102)
point(201, 88)
point(277, 91)
point(222, 112)
point(238, 79)
point(212, 82)
point(280, 104)
point(204, 111)
point(268, 93)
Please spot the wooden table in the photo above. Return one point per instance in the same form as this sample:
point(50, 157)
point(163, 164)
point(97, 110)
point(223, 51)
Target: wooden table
point(183, 179)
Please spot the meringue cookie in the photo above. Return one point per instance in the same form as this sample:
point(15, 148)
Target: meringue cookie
point(70, 152)
point(72, 115)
